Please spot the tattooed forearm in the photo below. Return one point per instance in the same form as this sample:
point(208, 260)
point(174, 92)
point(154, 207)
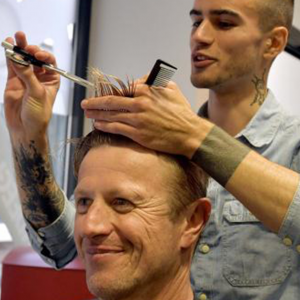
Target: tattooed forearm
point(42, 201)
point(260, 87)
point(219, 155)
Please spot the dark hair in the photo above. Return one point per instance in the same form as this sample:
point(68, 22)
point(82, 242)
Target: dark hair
point(273, 13)
point(189, 183)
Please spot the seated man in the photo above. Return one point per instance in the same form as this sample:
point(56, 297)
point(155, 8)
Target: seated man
point(139, 214)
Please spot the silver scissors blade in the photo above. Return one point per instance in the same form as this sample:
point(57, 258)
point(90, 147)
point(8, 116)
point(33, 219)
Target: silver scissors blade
point(70, 76)
point(23, 58)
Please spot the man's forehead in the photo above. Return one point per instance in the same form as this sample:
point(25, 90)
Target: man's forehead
point(238, 7)
point(128, 164)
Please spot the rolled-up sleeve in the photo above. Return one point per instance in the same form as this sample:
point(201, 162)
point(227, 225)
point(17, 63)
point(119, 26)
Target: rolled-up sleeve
point(55, 243)
point(290, 229)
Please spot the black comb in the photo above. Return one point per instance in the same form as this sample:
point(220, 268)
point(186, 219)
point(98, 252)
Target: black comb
point(160, 74)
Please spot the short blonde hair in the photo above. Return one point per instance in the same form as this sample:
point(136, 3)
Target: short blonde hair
point(187, 184)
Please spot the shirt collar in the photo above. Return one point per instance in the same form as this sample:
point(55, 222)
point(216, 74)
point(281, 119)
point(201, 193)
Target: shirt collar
point(264, 125)
point(262, 128)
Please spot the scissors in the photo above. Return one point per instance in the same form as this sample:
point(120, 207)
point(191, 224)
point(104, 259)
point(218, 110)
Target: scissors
point(21, 57)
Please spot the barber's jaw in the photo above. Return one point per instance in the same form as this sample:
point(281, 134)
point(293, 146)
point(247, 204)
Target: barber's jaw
point(226, 44)
point(123, 232)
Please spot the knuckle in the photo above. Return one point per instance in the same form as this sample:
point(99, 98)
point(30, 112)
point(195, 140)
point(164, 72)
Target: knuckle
point(143, 104)
point(108, 101)
point(141, 89)
point(172, 85)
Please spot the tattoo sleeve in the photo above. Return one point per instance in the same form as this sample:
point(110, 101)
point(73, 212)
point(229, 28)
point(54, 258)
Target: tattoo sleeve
point(219, 155)
point(42, 200)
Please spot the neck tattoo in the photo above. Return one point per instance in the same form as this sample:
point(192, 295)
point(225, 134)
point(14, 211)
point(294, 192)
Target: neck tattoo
point(259, 84)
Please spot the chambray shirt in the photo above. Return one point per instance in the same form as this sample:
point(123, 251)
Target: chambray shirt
point(237, 258)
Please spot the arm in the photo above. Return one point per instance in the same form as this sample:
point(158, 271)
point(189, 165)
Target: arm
point(265, 188)
point(28, 101)
point(161, 119)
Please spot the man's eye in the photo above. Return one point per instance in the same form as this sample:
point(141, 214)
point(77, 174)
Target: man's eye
point(82, 205)
point(196, 24)
point(225, 25)
point(122, 205)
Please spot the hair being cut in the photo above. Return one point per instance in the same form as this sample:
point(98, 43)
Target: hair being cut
point(189, 181)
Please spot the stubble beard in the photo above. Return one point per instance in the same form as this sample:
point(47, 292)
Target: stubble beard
point(223, 79)
point(118, 288)
point(127, 285)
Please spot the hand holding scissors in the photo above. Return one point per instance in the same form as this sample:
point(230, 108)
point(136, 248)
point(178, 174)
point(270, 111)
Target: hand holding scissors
point(20, 56)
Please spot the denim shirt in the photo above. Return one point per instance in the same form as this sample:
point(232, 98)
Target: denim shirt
point(237, 258)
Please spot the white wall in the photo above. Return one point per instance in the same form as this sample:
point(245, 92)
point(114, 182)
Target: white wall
point(284, 81)
point(284, 77)
point(127, 36)
point(296, 20)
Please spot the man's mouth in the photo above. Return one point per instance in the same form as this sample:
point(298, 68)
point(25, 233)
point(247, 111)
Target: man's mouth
point(201, 61)
point(104, 250)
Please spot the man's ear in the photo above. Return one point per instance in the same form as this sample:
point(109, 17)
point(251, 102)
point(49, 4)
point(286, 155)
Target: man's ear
point(275, 42)
point(196, 218)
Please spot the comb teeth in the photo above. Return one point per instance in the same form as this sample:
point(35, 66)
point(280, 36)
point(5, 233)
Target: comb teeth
point(161, 74)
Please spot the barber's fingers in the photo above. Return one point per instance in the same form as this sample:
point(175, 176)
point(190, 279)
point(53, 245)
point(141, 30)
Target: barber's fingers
point(142, 89)
point(42, 55)
point(141, 80)
point(10, 71)
point(113, 116)
point(26, 74)
point(21, 39)
point(118, 128)
point(112, 103)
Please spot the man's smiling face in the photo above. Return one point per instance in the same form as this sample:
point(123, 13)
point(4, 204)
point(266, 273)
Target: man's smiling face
point(226, 43)
point(123, 229)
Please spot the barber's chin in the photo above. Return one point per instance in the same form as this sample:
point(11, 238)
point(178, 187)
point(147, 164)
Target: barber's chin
point(197, 82)
point(203, 82)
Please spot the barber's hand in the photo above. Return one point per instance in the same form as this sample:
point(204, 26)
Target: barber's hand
point(157, 118)
point(29, 94)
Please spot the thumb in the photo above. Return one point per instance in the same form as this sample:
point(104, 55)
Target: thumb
point(142, 79)
point(10, 71)
point(26, 74)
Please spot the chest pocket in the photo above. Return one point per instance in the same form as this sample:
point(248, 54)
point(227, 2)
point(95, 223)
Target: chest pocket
point(252, 255)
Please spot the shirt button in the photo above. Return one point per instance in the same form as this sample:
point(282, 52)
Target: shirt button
point(287, 241)
point(205, 249)
point(203, 297)
point(298, 248)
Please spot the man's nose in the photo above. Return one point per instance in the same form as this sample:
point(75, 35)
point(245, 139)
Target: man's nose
point(204, 34)
point(98, 221)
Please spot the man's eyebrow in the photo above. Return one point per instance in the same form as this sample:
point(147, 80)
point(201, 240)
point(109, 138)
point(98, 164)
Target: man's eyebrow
point(215, 12)
point(134, 194)
point(77, 192)
point(219, 12)
point(80, 191)
point(195, 12)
